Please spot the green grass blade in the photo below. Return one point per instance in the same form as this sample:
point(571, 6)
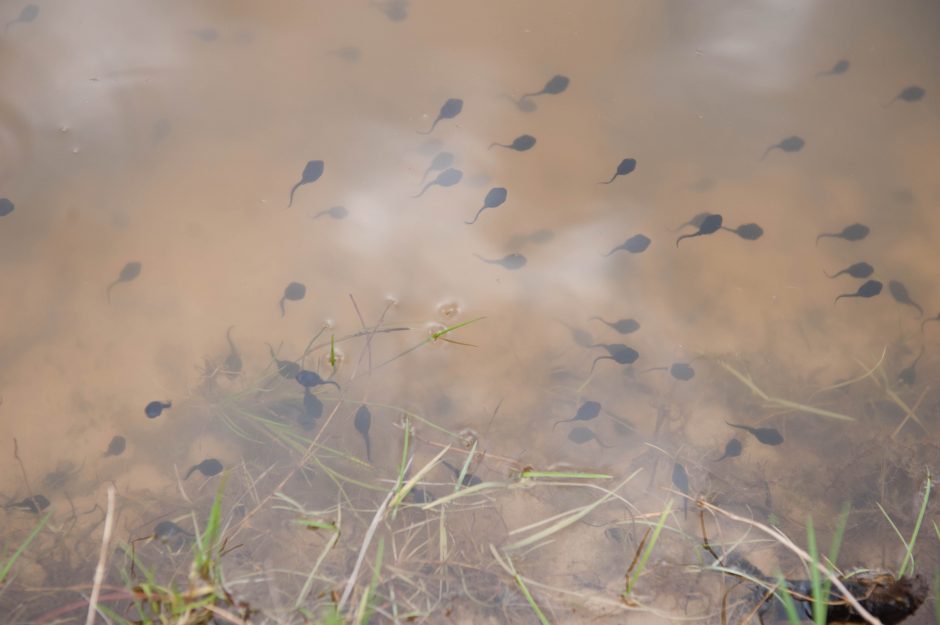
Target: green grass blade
point(365, 605)
point(648, 550)
point(907, 566)
point(819, 600)
point(511, 569)
point(19, 550)
point(792, 617)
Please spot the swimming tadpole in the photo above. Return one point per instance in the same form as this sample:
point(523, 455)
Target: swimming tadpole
point(6, 206)
point(555, 85)
point(521, 143)
point(285, 368)
point(869, 289)
point(494, 198)
point(34, 504)
point(28, 14)
point(293, 292)
point(232, 365)
point(116, 447)
point(511, 262)
point(766, 436)
point(449, 110)
point(748, 232)
point(841, 66)
point(853, 232)
point(129, 272)
point(908, 94)
point(618, 352)
point(586, 411)
point(621, 326)
point(155, 408)
point(695, 222)
point(680, 480)
point(440, 162)
point(908, 375)
point(581, 435)
point(313, 410)
point(789, 145)
point(626, 166)
point(732, 449)
point(710, 225)
point(208, 467)
point(363, 422)
point(171, 534)
point(636, 244)
point(681, 371)
point(469, 479)
point(901, 295)
point(447, 178)
point(856, 270)
point(311, 379)
point(312, 172)
point(333, 212)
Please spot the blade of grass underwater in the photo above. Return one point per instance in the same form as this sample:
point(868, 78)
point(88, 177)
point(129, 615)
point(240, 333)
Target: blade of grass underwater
point(788, 603)
point(834, 547)
point(19, 550)
point(433, 337)
point(308, 583)
point(896, 530)
point(365, 605)
point(641, 563)
point(465, 467)
point(566, 474)
point(417, 477)
point(909, 556)
point(511, 569)
point(819, 601)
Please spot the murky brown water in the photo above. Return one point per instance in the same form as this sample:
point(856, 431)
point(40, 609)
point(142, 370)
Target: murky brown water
point(171, 135)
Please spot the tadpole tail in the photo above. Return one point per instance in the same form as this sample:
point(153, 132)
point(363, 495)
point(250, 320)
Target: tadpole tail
point(334, 384)
point(836, 275)
point(826, 235)
point(611, 252)
point(433, 126)
point(655, 369)
point(475, 217)
point(843, 295)
point(918, 307)
point(281, 304)
point(532, 95)
point(426, 187)
point(924, 322)
point(294, 188)
point(425, 176)
point(767, 151)
point(190, 472)
point(486, 260)
point(562, 421)
point(686, 236)
point(612, 178)
point(368, 449)
point(494, 144)
point(108, 290)
point(594, 364)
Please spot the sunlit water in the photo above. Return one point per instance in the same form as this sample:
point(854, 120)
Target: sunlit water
point(172, 135)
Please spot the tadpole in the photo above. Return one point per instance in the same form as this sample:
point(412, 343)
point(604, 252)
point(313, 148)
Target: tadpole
point(622, 326)
point(857, 270)
point(586, 411)
point(580, 435)
point(908, 375)
point(681, 481)
point(555, 85)
point(129, 272)
point(293, 292)
point(626, 166)
point(469, 479)
point(312, 172)
point(519, 144)
point(440, 162)
point(767, 436)
point(748, 232)
point(447, 178)
point(232, 365)
point(732, 450)
point(116, 447)
point(841, 67)
point(494, 198)
point(334, 212)
point(313, 410)
point(510, 261)
point(908, 94)
point(6, 206)
point(710, 225)
point(285, 368)
point(636, 244)
point(901, 295)
point(618, 352)
point(854, 232)
point(311, 379)
point(869, 289)
point(450, 109)
point(208, 467)
point(34, 504)
point(790, 145)
point(155, 408)
point(28, 14)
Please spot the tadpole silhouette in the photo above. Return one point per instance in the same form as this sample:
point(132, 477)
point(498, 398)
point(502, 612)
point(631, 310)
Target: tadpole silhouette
point(34, 504)
point(767, 436)
point(626, 166)
point(469, 479)
point(619, 353)
point(394, 10)
point(6, 206)
point(116, 446)
point(129, 272)
point(732, 450)
point(285, 368)
point(840, 67)
point(580, 435)
point(232, 365)
point(419, 495)
point(510, 261)
point(449, 110)
point(854, 232)
point(681, 371)
point(695, 222)
point(636, 244)
point(312, 172)
point(519, 144)
point(555, 85)
point(908, 94)
point(869, 289)
point(901, 295)
point(857, 270)
point(586, 411)
point(680, 480)
point(334, 212)
point(441, 161)
point(208, 467)
point(28, 14)
point(313, 410)
point(908, 375)
point(494, 198)
point(748, 232)
point(311, 379)
point(293, 292)
point(710, 225)
point(790, 145)
point(363, 422)
point(579, 336)
point(622, 326)
point(155, 408)
point(447, 178)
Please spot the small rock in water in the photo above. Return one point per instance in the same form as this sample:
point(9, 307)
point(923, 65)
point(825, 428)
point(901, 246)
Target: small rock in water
point(450, 109)
point(869, 289)
point(155, 408)
point(116, 446)
point(790, 145)
point(626, 166)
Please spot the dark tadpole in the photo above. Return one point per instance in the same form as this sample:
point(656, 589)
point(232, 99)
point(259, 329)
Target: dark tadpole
point(695, 222)
point(509, 261)
point(312, 172)
point(395, 10)
point(555, 85)
point(841, 67)
point(468, 480)
point(586, 411)
point(908, 375)
point(310, 379)
point(858, 270)
point(363, 423)
point(519, 144)
point(622, 326)
point(710, 225)
point(854, 232)
point(901, 295)
point(440, 162)
point(619, 353)
point(732, 450)
point(6, 207)
point(449, 110)
point(232, 365)
point(34, 504)
point(208, 467)
point(869, 289)
point(681, 371)
point(293, 292)
point(908, 94)
point(494, 198)
point(116, 446)
point(313, 410)
point(285, 368)
point(767, 436)
point(626, 166)
point(129, 272)
point(580, 435)
point(155, 408)
point(636, 244)
point(419, 495)
point(748, 232)
point(333, 212)
point(681, 481)
point(447, 178)
point(28, 14)
point(790, 145)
